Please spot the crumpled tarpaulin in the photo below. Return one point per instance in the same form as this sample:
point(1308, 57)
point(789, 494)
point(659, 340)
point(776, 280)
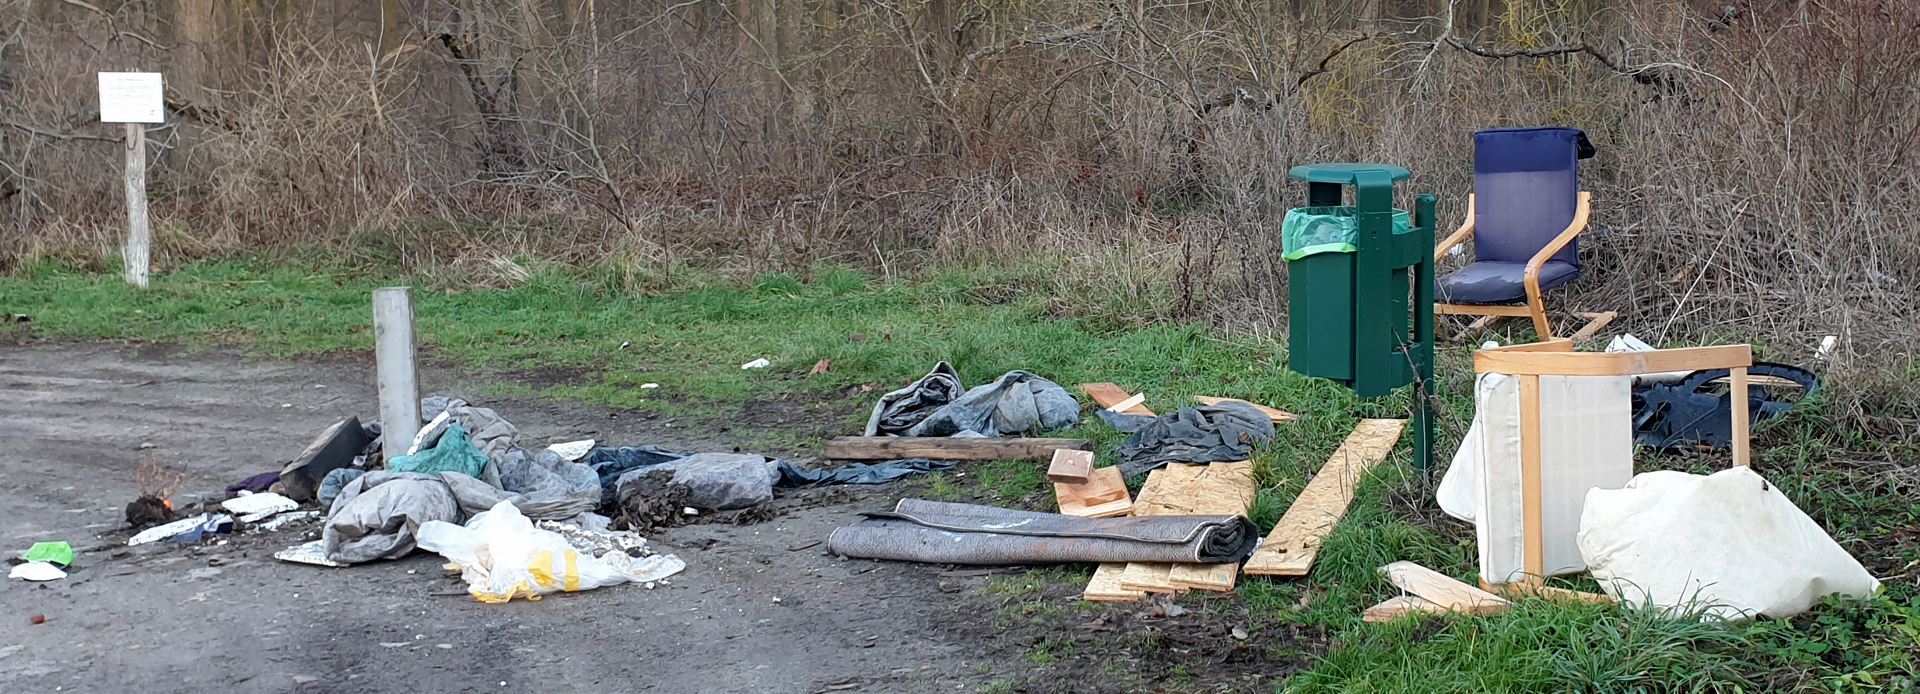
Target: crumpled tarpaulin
point(378, 514)
point(720, 481)
point(946, 533)
point(612, 464)
point(491, 433)
point(1206, 434)
point(543, 486)
point(1016, 403)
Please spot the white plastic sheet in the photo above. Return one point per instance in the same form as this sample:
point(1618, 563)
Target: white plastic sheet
point(1728, 544)
point(501, 556)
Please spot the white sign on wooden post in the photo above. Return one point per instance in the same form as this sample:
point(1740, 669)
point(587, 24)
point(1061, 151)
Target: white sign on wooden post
point(135, 98)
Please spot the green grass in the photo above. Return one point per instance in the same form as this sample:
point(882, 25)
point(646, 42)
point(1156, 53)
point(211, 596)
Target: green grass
point(885, 334)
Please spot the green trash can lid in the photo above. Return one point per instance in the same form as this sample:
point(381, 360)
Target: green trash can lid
point(1343, 173)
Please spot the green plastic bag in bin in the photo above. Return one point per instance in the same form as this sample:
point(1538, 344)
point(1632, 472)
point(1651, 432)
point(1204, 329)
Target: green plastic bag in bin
point(1311, 230)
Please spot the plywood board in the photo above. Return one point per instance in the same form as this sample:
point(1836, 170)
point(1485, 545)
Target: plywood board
point(1397, 607)
point(1103, 496)
point(1217, 489)
point(1277, 416)
point(1443, 590)
point(1290, 548)
point(1070, 466)
point(1152, 577)
point(1107, 395)
point(1105, 586)
point(939, 448)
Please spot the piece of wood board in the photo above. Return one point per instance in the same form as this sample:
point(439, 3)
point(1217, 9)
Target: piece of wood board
point(1399, 606)
point(1290, 548)
point(1214, 577)
point(1216, 489)
point(940, 448)
point(1107, 395)
point(1515, 591)
point(1103, 496)
point(1105, 585)
point(1443, 590)
point(1151, 577)
point(1070, 466)
point(1278, 416)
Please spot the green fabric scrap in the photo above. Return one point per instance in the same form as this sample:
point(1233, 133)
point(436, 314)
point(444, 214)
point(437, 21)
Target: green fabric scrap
point(454, 453)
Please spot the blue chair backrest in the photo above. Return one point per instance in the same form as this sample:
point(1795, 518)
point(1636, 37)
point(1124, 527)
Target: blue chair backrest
point(1526, 185)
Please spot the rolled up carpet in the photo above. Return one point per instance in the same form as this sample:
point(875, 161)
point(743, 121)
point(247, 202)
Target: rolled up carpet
point(946, 533)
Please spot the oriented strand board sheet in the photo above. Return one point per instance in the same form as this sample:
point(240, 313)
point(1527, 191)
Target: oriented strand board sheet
point(1290, 548)
point(1277, 416)
point(1151, 577)
point(1107, 395)
point(1103, 496)
point(1217, 489)
point(1215, 577)
point(1105, 586)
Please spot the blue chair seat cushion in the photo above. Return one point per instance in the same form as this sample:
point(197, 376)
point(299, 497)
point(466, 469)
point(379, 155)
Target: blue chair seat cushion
point(1492, 282)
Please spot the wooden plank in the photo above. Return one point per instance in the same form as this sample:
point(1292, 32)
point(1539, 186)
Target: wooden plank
point(1516, 362)
point(1742, 455)
point(1479, 310)
point(1290, 548)
point(1533, 527)
point(1129, 403)
point(894, 448)
point(1103, 496)
point(1515, 591)
point(1399, 607)
point(1442, 590)
point(1214, 577)
point(1070, 466)
point(1595, 323)
point(1277, 416)
point(1150, 577)
point(1107, 395)
point(1105, 586)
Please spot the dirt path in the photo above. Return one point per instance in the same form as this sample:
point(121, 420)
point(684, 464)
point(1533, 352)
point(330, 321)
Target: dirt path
point(77, 420)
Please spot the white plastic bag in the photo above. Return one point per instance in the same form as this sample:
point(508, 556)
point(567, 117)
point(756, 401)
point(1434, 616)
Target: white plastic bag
point(1728, 543)
point(501, 555)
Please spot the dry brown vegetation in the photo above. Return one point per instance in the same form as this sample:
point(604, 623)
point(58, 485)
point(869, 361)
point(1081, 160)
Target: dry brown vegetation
point(1755, 176)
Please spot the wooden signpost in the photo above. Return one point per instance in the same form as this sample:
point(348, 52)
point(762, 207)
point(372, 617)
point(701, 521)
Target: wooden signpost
point(136, 99)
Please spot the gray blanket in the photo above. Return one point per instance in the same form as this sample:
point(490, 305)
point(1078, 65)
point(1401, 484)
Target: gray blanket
point(1016, 403)
point(946, 533)
point(1213, 433)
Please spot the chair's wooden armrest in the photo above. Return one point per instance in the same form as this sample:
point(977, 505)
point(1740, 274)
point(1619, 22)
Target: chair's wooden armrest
point(1579, 224)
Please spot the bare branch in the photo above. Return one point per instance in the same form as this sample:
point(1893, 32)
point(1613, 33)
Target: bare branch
point(63, 137)
point(1547, 52)
point(1322, 69)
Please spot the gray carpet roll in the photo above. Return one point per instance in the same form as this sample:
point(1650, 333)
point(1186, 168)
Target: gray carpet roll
point(946, 533)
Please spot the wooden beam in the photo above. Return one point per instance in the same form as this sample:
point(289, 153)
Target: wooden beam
point(1107, 395)
point(1442, 590)
point(1742, 419)
point(1070, 466)
point(1595, 323)
point(1277, 416)
point(894, 448)
point(1515, 362)
point(1399, 607)
point(1103, 496)
point(1533, 528)
point(1479, 310)
point(1290, 548)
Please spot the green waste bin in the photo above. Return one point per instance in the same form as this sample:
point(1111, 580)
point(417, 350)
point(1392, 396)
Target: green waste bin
point(1360, 286)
